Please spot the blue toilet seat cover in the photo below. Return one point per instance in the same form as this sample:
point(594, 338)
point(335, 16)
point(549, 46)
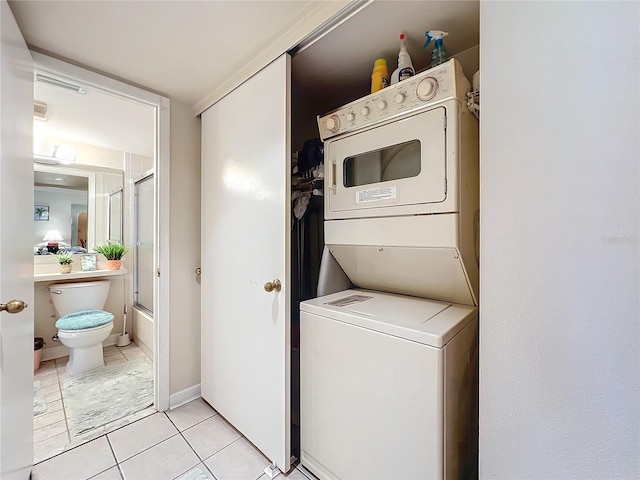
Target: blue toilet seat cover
point(84, 320)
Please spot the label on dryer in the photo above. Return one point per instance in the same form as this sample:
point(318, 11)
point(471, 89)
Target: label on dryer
point(375, 194)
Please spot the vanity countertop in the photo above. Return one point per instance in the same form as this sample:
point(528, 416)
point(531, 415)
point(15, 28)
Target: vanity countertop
point(76, 274)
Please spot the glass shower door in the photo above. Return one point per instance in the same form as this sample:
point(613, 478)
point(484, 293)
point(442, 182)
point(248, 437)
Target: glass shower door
point(144, 271)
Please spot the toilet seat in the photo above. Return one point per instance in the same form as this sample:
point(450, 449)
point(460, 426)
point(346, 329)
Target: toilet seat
point(84, 320)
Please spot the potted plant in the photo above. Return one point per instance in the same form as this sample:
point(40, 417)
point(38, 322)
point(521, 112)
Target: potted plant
point(113, 252)
point(64, 262)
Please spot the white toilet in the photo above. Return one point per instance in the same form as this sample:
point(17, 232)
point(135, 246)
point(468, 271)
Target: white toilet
point(82, 325)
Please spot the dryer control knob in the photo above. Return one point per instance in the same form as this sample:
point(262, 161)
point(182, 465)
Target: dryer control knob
point(400, 98)
point(382, 105)
point(427, 89)
point(365, 111)
point(333, 123)
point(351, 117)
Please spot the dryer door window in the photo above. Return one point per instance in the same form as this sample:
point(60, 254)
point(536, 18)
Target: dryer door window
point(389, 167)
point(383, 165)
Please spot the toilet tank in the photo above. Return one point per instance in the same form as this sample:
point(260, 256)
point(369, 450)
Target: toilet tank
point(76, 297)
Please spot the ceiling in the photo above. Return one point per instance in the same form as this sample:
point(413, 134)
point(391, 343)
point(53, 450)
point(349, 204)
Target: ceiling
point(60, 180)
point(95, 118)
point(183, 49)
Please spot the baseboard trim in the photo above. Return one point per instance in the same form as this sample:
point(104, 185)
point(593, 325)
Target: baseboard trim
point(60, 351)
point(185, 396)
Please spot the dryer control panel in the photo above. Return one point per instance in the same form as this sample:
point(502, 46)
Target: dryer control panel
point(419, 92)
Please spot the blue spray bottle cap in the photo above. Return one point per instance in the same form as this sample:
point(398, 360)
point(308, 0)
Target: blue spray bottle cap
point(438, 35)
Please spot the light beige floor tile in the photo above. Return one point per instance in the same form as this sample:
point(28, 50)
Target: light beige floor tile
point(80, 463)
point(199, 472)
point(49, 431)
point(113, 354)
point(139, 436)
point(54, 406)
point(47, 419)
point(50, 447)
point(164, 461)
point(48, 380)
point(61, 363)
point(51, 389)
point(121, 422)
point(134, 353)
point(53, 396)
point(116, 361)
point(210, 436)
point(47, 364)
point(240, 460)
point(191, 413)
point(112, 474)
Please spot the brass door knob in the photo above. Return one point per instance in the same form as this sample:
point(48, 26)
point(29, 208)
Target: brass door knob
point(271, 286)
point(14, 306)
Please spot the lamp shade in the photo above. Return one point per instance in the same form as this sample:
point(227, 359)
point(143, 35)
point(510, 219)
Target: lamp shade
point(53, 236)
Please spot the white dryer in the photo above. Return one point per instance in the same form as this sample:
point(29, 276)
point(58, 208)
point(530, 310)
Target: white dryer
point(389, 389)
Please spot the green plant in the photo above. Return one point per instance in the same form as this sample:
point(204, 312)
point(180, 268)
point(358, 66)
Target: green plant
point(64, 258)
point(112, 250)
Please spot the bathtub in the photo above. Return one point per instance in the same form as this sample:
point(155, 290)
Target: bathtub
point(142, 323)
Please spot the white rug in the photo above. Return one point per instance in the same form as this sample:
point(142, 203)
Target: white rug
point(39, 404)
point(106, 394)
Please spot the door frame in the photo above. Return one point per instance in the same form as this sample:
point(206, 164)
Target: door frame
point(161, 104)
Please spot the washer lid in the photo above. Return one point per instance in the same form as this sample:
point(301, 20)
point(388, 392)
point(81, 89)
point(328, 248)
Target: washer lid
point(425, 321)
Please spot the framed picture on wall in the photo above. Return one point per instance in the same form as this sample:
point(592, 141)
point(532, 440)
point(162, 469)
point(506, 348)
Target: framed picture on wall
point(41, 213)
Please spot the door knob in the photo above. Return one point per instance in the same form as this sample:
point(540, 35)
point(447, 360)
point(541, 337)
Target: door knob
point(271, 286)
point(14, 306)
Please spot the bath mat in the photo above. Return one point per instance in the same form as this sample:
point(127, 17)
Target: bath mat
point(39, 404)
point(108, 393)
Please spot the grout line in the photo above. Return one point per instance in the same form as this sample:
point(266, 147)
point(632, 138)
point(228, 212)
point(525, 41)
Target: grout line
point(114, 456)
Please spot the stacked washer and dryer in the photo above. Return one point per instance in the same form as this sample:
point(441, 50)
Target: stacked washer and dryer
point(389, 370)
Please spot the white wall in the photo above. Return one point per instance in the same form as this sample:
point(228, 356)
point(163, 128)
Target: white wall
point(560, 329)
point(185, 248)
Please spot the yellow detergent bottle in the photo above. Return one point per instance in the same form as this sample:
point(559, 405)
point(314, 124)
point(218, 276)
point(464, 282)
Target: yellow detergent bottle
point(380, 75)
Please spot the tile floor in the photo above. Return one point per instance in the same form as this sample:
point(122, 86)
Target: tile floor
point(191, 442)
point(51, 434)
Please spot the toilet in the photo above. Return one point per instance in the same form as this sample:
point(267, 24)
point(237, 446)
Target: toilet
point(82, 325)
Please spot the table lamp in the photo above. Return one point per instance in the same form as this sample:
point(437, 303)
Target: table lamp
point(52, 238)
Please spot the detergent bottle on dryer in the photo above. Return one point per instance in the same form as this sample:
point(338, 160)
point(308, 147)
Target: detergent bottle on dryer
point(405, 67)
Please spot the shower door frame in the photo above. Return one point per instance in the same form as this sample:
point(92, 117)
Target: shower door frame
point(144, 308)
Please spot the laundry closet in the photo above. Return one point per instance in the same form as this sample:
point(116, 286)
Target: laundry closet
point(263, 207)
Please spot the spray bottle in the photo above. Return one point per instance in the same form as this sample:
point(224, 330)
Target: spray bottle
point(439, 55)
point(405, 67)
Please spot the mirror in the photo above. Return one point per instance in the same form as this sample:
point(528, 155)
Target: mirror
point(74, 208)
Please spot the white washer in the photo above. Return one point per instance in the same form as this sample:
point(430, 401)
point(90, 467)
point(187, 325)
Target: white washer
point(389, 388)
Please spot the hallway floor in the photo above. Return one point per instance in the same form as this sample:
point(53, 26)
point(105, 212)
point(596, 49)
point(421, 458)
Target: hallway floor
point(191, 442)
point(51, 432)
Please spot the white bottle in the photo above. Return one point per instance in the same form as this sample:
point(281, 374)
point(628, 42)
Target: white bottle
point(405, 67)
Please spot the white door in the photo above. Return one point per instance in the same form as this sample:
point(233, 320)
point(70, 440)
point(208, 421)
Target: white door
point(245, 243)
point(16, 252)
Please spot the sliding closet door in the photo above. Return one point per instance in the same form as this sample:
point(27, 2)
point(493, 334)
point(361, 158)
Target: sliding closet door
point(245, 244)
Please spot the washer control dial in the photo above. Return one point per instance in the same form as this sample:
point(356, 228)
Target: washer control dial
point(365, 111)
point(427, 88)
point(333, 123)
point(351, 117)
point(399, 98)
point(382, 105)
